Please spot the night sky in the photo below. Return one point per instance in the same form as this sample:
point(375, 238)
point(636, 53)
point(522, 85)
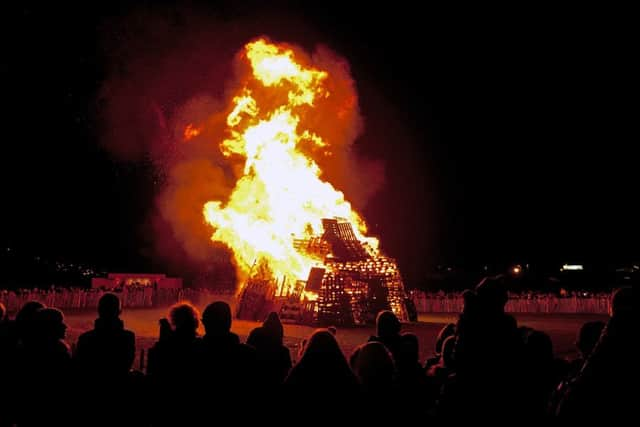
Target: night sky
point(500, 130)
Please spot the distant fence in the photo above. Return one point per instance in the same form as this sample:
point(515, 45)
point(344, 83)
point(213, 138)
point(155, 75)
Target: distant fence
point(427, 302)
point(87, 299)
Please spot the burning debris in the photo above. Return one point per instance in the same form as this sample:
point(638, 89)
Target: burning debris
point(349, 286)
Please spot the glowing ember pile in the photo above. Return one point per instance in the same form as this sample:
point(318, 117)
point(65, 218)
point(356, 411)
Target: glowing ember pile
point(273, 219)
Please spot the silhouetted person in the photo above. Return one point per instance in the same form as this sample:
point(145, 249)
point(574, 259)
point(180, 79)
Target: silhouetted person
point(166, 331)
point(44, 367)
point(388, 332)
point(25, 322)
point(488, 354)
point(108, 350)
point(18, 332)
point(412, 383)
point(587, 339)
point(323, 374)
point(445, 365)
point(172, 367)
point(604, 387)
point(227, 367)
point(486, 334)
point(273, 326)
point(273, 357)
point(542, 373)
point(170, 354)
point(103, 358)
point(374, 368)
point(446, 331)
point(438, 373)
point(410, 374)
point(49, 334)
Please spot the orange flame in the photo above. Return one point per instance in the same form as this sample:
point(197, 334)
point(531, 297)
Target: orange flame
point(191, 132)
point(280, 197)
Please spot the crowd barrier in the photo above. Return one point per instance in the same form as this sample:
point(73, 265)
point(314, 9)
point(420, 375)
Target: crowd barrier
point(577, 302)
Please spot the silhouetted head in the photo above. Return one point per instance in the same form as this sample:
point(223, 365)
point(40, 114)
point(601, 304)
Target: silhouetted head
point(3, 312)
point(217, 318)
point(25, 319)
point(49, 323)
point(446, 331)
point(492, 292)
point(322, 362)
point(469, 299)
point(109, 306)
point(373, 365)
point(448, 346)
point(28, 310)
point(588, 337)
point(621, 302)
point(387, 324)
point(166, 331)
point(257, 337)
point(184, 317)
point(322, 345)
point(409, 353)
point(273, 327)
point(539, 346)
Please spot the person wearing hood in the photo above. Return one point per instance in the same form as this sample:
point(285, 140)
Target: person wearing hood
point(274, 358)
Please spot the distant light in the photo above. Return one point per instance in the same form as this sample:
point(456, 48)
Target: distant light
point(572, 267)
point(516, 269)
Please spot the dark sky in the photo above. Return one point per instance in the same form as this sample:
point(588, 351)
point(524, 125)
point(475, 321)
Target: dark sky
point(504, 140)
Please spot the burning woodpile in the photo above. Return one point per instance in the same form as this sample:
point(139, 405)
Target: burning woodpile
point(299, 245)
point(350, 284)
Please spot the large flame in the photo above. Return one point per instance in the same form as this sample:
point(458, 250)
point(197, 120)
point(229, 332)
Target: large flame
point(280, 195)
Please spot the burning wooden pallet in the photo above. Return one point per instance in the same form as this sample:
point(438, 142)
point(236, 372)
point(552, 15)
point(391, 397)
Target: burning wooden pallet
point(350, 285)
